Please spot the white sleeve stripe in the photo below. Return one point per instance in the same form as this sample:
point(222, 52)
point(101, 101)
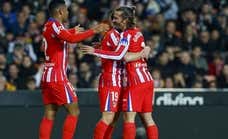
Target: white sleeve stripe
point(55, 28)
point(113, 57)
point(119, 56)
point(114, 39)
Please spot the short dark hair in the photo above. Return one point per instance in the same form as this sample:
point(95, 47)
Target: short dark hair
point(54, 4)
point(128, 13)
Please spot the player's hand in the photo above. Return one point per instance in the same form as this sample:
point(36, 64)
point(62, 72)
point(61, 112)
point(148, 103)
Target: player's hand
point(96, 45)
point(145, 52)
point(87, 49)
point(78, 28)
point(101, 28)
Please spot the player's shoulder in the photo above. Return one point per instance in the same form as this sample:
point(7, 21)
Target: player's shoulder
point(113, 36)
point(112, 31)
point(55, 25)
point(131, 32)
point(135, 31)
point(137, 34)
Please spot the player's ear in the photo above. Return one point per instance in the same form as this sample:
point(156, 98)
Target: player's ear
point(60, 11)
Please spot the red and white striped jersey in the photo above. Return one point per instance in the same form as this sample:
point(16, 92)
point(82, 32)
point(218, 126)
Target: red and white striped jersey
point(55, 38)
point(111, 68)
point(131, 40)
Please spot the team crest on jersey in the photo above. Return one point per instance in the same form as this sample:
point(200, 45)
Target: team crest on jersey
point(124, 41)
point(137, 36)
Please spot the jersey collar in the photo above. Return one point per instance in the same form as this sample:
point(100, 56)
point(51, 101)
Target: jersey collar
point(52, 19)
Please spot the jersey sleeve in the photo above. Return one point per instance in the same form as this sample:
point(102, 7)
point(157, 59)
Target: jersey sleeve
point(72, 30)
point(66, 35)
point(120, 51)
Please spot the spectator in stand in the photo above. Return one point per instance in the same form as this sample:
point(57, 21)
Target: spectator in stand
point(179, 80)
point(189, 39)
point(164, 65)
point(72, 67)
point(85, 75)
point(222, 81)
point(170, 37)
point(3, 82)
point(26, 9)
point(15, 82)
point(2, 31)
point(34, 35)
point(216, 66)
point(16, 56)
point(198, 61)
point(205, 44)
point(74, 10)
point(216, 42)
point(7, 15)
point(20, 26)
point(186, 4)
point(206, 20)
point(3, 63)
point(156, 45)
point(31, 84)
point(40, 19)
point(152, 8)
point(158, 82)
point(197, 84)
point(189, 17)
point(27, 69)
point(25, 45)
point(73, 78)
point(186, 69)
point(168, 82)
point(169, 8)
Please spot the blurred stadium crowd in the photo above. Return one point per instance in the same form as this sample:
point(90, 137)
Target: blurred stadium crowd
point(189, 41)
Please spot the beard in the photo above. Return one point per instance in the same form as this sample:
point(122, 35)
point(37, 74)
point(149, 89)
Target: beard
point(117, 26)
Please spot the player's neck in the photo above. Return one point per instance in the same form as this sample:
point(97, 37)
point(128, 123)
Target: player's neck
point(57, 18)
point(124, 28)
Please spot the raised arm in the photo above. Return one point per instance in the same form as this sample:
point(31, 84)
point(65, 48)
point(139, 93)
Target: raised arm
point(76, 29)
point(66, 35)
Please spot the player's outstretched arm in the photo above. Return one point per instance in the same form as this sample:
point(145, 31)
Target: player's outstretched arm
point(66, 35)
point(114, 55)
point(76, 29)
point(100, 28)
point(118, 54)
